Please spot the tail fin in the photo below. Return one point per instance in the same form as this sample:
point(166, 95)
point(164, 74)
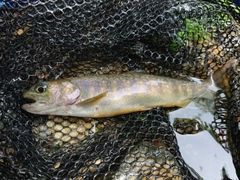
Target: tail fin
point(222, 75)
point(218, 80)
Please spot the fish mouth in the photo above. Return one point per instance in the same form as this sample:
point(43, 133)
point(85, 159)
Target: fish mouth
point(32, 103)
point(30, 100)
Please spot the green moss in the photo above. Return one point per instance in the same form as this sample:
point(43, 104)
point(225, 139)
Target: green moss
point(196, 30)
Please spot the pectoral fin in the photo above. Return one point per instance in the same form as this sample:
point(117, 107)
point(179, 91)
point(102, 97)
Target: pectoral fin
point(92, 101)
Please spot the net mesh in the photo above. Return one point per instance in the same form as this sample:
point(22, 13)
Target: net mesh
point(56, 39)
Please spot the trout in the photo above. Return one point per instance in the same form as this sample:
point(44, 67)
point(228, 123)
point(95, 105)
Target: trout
point(111, 95)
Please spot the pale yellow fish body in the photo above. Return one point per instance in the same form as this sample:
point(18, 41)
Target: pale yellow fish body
point(111, 95)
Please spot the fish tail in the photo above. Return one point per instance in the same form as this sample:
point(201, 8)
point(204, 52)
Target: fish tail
point(219, 79)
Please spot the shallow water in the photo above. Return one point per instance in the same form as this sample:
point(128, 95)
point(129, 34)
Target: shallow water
point(201, 151)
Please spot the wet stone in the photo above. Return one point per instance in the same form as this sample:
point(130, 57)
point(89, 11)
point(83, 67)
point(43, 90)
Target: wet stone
point(129, 158)
point(81, 129)
point(136, 166)
point(88, 125)
point(50, 124)
point(98, 161)
point(92, 169)
point(50, 131)
point(58, 127)
point(170, 160)
point(42, 128)
point(174, 170)
point(125, 167)
point(57, 165)
point(10, 151)
point(81, 137)
point(81, 122)
point(58, 135)
point(73, 119)
point(66, 130)
point(65, 123)
point(73, 134)
point(74, 141)
point(73, 126)
point(58, 120)
point(66, 138)
point(166, 166)
point(42, 135)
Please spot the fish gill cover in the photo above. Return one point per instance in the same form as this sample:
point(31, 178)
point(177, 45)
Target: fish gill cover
point(48, 40)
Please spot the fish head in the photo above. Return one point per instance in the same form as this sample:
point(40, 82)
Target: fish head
point(51, 97)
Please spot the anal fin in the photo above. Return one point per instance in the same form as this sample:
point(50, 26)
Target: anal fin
point(183, 103)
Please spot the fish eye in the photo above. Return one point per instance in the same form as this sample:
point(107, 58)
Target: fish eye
point(40, 88)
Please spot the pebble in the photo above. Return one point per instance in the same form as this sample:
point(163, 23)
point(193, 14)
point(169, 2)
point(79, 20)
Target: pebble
point(73, 126)
point(174, 170)
point(10, 151)
point(166, 166)
point(170, 160)
point(155, 173)
point(66, 138)
point(233, 33)
point(162, 172)
point(58, 143)
point(36, 130)
point(98, 161)
point(136, 166)
point(58, 135)
point(58, 127)
point(125, 167)
point(73, 134)
point(83, 170)
point(65, 123)
point(73, 119)
point(57, 165)
point(81, 137)
point(81, 129)
point(81, 122)
point(42, 128)
point(50, 131)
point(43, 135)
point(66, 130)
point(105, 70)
point(88, 125)
point(132, 177)
point(58, 120)
point(129, 158)
point(50, 124)
point(20, 31)
point(152, 178)
point(92, 169)
point(73, 141)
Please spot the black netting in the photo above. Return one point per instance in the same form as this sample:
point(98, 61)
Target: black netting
point(48, 40)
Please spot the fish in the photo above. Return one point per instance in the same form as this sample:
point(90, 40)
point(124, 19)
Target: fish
point(111, 95)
